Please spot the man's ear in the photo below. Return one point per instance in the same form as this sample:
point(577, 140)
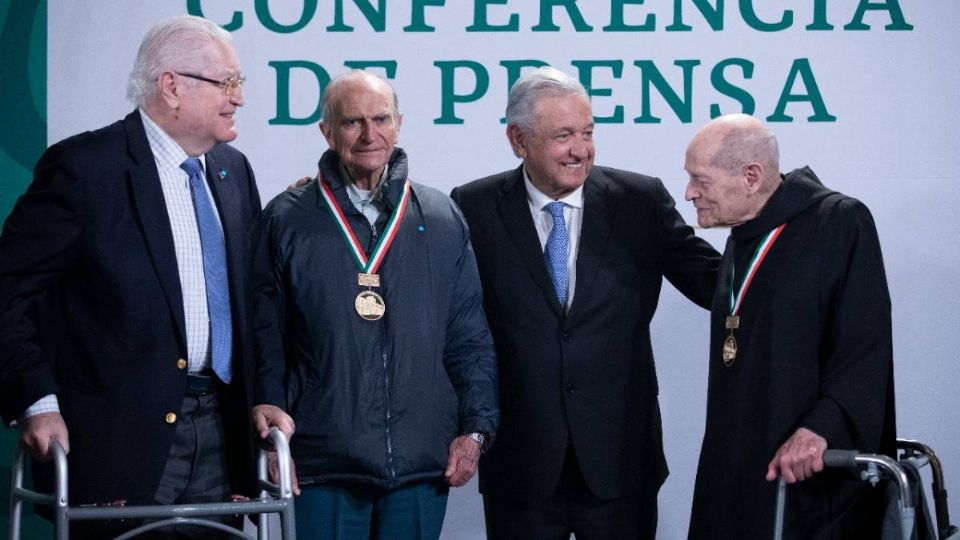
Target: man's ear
point(753, 173)
point(327, 131)
point(169, 89)
point(518, 140)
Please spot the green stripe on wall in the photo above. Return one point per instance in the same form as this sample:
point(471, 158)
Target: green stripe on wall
point(23, 137)
point(23, 70)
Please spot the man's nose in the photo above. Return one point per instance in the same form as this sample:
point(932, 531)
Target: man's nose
point(367, 132)
point(580, 149)
point(237, 97)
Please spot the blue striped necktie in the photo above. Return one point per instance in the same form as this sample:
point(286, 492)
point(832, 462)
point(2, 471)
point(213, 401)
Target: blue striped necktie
point(214, 271)
point(556, 251)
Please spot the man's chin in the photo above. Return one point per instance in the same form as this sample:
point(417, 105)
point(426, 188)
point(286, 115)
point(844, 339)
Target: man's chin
point(227, 136)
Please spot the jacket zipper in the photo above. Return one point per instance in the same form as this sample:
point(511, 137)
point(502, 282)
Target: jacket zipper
point(388, 413)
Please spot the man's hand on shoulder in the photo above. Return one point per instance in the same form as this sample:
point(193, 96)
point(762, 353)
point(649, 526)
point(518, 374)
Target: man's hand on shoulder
point(301, 182)
point(799, 458)
point(39, 431)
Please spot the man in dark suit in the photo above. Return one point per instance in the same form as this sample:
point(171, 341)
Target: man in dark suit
point(572, 257)
point(124, 287)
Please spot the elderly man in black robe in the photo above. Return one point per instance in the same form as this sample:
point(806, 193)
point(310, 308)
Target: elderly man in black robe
point(800, 348)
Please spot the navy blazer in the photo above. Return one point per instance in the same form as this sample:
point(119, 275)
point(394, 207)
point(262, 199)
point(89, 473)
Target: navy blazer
point(91, 308)
point(586, 375)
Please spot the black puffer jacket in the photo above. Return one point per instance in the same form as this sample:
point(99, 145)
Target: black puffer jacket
point(374, 401)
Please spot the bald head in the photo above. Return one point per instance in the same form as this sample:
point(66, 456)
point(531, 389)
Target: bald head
point(733, 141)
point(351, 82)
point(361, 123)
point(734, 168)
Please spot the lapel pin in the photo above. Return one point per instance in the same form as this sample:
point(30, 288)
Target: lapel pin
point(223, 173)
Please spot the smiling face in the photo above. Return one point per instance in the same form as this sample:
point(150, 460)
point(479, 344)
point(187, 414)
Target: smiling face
point(363, 128)
point(204, 114)
point(558, 152)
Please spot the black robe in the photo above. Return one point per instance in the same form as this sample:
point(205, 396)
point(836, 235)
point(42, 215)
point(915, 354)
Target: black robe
point(814, 351)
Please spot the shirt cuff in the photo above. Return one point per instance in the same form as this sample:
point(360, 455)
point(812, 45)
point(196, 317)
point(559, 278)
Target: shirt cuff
point(46, 404)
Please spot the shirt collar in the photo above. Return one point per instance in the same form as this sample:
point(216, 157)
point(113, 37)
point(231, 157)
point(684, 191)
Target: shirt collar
point(166, 151)
point(539, 201)
point(357, 195)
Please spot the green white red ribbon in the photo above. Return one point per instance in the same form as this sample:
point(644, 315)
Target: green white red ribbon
point(386, 239)
point(755, 262)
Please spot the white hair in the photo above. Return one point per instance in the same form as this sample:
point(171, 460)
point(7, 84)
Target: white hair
point(177, 44)
point(541, 83)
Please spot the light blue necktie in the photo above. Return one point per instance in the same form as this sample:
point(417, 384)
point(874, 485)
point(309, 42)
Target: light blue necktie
point(556, 251)
point(214, 271)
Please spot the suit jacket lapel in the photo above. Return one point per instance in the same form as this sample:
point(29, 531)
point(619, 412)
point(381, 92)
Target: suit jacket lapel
point(515, 212)
point(595, 233)
point(151, 208)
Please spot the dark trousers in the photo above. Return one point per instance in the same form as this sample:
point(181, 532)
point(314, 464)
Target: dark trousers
point(349, 511)
point(572, 508)
point(196, 470)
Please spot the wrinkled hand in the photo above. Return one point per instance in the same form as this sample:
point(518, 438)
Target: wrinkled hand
point(273, 466)
point(300, 183)
point(38, 432)
point(267, 416)
point(799, 458)
point(462, 463)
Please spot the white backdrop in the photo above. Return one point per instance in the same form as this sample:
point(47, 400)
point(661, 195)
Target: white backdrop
point(893, 95)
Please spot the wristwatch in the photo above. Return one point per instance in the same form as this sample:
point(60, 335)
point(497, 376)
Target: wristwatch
point(482, 439)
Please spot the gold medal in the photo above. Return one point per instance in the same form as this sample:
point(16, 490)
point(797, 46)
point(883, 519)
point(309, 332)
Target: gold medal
point(732, 322)
point(369, 305)
point(729, 350)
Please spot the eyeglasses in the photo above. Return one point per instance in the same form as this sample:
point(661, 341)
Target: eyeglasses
point(229, 86)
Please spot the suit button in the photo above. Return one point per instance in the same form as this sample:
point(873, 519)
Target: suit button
point(566, 336)
point(170, 418)
point(181, 363)
point(571, 389)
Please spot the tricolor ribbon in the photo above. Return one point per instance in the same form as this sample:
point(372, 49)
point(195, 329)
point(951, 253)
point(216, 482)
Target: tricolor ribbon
point(380, 251)
point(758, 256)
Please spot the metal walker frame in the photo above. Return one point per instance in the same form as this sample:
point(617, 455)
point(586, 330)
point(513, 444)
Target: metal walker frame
point(273, 499)
point(873, 468)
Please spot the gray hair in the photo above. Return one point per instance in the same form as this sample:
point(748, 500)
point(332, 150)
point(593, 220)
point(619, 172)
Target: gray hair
point(541, 83)
point(326, 102)
point(744, 144)
point(176, 44)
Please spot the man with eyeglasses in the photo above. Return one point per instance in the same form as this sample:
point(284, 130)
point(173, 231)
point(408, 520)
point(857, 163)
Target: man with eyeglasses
point(124, 289)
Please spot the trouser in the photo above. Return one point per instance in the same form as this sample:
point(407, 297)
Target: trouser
point(350, 511)
point(572, 508)
point(196, 470)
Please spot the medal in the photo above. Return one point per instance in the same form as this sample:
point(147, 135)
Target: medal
point(729, 350)
point(730, 344)
point(368, 304)
point(732, 322)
